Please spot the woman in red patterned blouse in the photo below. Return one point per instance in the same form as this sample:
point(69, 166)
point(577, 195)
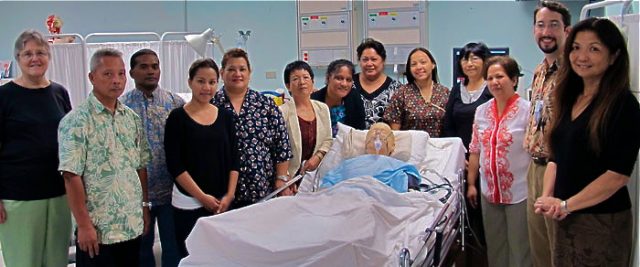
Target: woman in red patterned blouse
point(420, 104)
point(497, 155)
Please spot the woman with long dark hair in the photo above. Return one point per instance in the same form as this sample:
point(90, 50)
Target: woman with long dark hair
point(594, 145)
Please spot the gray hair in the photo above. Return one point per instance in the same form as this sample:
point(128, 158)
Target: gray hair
point(26, 36)
point(103, 52)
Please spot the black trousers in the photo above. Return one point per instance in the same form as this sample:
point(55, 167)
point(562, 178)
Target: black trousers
point(125, 253)
point(184, 221)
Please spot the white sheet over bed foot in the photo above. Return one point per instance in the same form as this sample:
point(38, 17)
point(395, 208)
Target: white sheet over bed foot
point(359, 222)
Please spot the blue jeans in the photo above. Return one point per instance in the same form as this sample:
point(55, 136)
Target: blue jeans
point(164, 215)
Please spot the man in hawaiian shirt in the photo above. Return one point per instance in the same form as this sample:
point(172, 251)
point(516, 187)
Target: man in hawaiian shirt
point(103, 156)
point(551, 26)
point(153, 104)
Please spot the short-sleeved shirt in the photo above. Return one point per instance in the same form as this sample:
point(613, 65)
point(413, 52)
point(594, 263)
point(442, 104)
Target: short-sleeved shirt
point(154, 110)
point(409, 109)
point(577, 162)
point(376, 102)
point(263, 142)
point(498, 141)
point(107, 149)
point(540, 113)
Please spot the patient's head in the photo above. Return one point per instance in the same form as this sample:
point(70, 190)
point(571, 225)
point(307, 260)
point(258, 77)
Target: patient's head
point(380, 140)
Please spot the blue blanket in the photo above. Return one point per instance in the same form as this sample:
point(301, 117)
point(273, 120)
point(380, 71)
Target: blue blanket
point(390, 171)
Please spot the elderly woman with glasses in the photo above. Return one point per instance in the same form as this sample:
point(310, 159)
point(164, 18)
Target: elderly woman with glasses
point(35, 221)
point(308, 121)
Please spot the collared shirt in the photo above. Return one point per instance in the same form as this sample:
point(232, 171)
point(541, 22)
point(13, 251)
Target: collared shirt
point(106, 150)
point(154, 110)
point(540, 113)
point(263, 142)
point(409, 109)
point(503, 161)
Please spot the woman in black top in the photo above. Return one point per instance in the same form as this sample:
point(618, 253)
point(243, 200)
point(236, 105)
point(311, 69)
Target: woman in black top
point(35, 221)
point(594, 146)
point(465, 97)
point(200, 147)
point(373, 85)
point(345, 105)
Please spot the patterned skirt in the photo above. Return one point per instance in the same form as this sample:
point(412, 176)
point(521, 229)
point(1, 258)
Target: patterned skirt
point(594, 240)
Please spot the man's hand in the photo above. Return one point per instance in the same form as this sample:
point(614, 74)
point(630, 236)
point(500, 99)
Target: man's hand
point(146, 219)
point(3, 213)
point(88, 240)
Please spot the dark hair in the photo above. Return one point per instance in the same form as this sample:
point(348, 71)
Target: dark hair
point(139, 53)
point(371, 43)
point(336, 65)
point(203, 63)
point(613, 84)
point(555, 7)
point(296, 65)
point(478, 49)
point(235, 53)
point(407, 70)
point(509, 65)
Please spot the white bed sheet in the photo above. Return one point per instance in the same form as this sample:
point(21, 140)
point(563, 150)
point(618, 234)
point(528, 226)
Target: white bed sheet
point(359, 222)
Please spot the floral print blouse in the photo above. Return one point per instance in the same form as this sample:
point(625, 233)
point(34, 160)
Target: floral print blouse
point(375, 102)
point(263, 142)
point(409, 109)
point(498, 141)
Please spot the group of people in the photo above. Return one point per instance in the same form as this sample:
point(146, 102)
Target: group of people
point(553, 171)
point(545, 178)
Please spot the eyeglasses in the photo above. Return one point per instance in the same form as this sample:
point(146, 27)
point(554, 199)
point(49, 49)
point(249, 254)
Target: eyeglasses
point(297, 79)
point(554, 25)
point(470, 59)
point(30, 54)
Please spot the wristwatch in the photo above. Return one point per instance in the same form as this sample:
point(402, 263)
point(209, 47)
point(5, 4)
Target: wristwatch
point(563, 206)
point(284, 178)
point(146, 204)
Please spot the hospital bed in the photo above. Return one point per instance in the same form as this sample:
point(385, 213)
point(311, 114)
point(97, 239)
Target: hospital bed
point(357, 222)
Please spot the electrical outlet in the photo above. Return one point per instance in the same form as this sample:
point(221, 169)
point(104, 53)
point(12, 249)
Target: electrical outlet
point(271, 75)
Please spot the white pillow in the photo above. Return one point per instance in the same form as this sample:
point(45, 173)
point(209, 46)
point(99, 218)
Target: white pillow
point(411, 146)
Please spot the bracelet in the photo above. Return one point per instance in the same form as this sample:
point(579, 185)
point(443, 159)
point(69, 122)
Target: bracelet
point(284, 178)
point(320, 154)
point(564, 207)
point(146, 204)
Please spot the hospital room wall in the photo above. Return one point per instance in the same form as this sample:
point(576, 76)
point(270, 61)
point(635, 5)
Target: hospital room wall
point(273, 41)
